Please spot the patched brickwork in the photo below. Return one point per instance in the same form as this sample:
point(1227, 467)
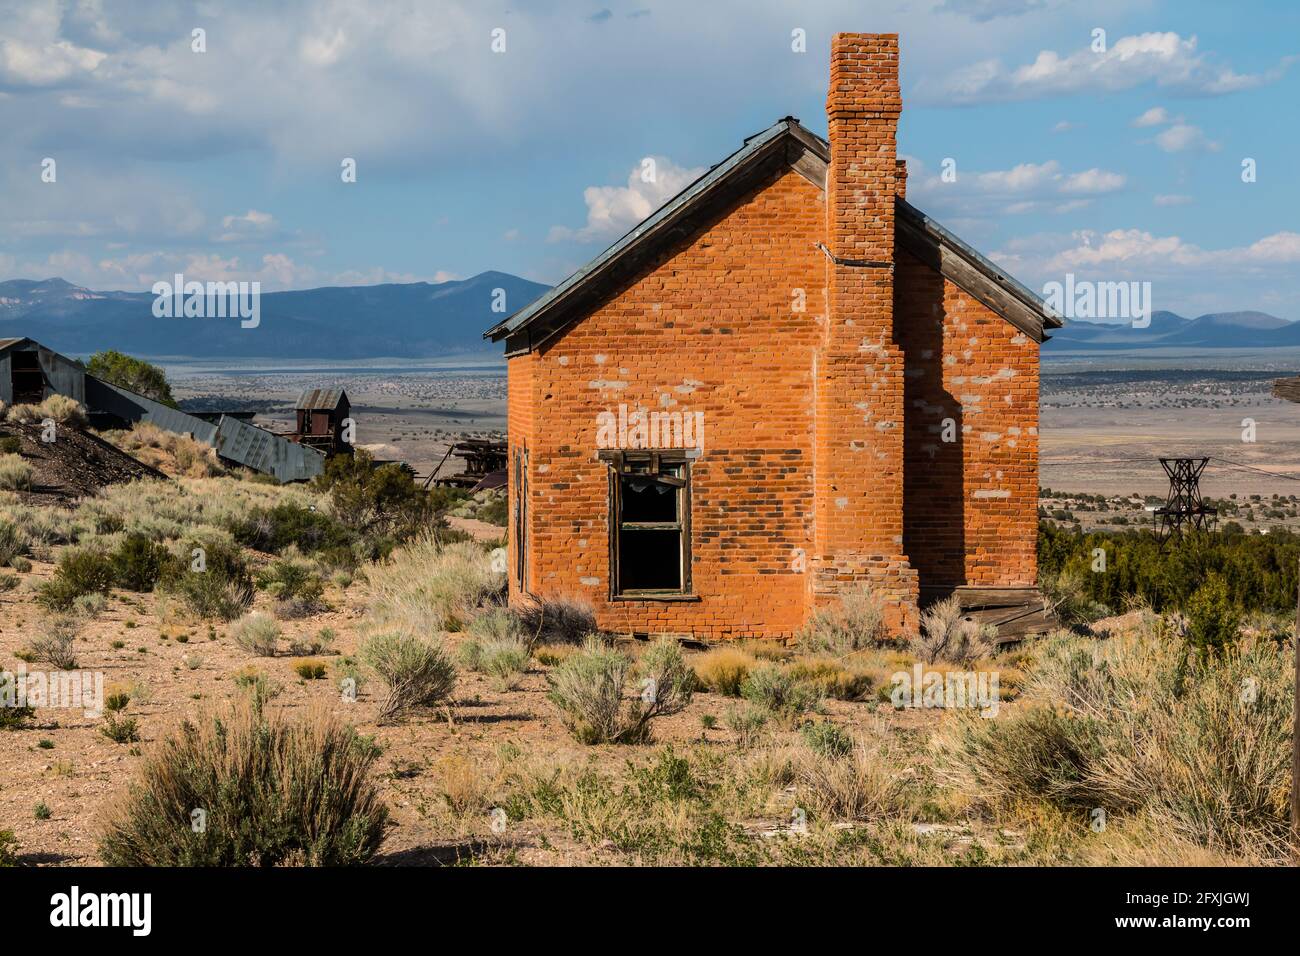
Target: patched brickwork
point(971, 504)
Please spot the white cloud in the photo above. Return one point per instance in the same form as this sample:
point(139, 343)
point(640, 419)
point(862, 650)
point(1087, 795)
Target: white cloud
point(252, 225)
point(1064, 126)
point(1156, 116)
point(1136, 253)
point(1172, 199)
point(613, 210)
point(1182, 137)
point(1165, 59)
point(1024, 188)
point(1093, 181)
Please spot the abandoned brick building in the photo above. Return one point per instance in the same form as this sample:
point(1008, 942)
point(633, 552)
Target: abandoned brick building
point(784, 381)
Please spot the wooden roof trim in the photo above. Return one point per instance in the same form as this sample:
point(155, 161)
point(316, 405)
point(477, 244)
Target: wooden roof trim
point(955, 260)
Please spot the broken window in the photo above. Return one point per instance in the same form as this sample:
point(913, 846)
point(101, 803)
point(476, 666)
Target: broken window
point(651, 521)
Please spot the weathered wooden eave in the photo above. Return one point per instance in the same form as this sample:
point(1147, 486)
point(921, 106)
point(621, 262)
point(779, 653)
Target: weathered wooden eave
point(955, 260)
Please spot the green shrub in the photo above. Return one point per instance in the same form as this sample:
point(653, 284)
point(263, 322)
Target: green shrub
point(746, 721)
point(297, 588)
point(222, 590)
point(121, 730)
point(10, 445)
point(497, 624)
point(133, 374)
point(827, 739)
point(1213, 618)
point(80, 571)
point(12, 716)
point(781, 692)
point(504, 659)
point(375, 502)
point(257, 633)
point(138, 563)
point(588, 688)
point(494, 511)
point(274, 791)
point(13, 543)
point(8, 843)
point(855, 621)
point(259, 687)
point(417, 673)
point(1198, 746)
point(272, 530)
point(8, 581)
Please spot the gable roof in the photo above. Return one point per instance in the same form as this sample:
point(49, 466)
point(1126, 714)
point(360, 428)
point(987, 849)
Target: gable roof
point(317, 399)
point(785, 143)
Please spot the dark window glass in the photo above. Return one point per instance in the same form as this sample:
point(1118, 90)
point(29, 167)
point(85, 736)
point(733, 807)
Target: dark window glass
point(650, 560)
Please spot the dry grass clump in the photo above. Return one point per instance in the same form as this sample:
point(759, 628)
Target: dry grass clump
point(59, 408)
point(16, 474)
point(1138, 725)
point(427, 587)
point(850, 778)
point(556, 620)
point(257, 633)
point(723, 670)
point(54, 645)
point(589, 688)
point(854, 622)
point(417, 673)
point(171, 453)
point(832, 677)
point(271, 790)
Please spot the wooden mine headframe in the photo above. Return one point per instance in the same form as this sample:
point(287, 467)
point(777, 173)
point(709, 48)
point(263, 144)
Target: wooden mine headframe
point(1184, 505)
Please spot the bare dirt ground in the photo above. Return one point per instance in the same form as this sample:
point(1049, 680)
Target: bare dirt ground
point(174, 670)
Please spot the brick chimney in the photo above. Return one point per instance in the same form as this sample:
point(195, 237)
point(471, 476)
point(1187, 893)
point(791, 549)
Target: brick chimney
point(858, 454)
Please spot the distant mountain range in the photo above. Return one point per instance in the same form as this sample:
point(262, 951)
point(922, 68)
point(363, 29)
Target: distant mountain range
point(421, 320)
point(1168, 330)
point(400, 320)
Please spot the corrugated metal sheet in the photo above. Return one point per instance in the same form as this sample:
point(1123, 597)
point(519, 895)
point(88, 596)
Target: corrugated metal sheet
point(62, 375)
point(326, 399)
point(260, 450)
point(6, 343)
point(115, 400)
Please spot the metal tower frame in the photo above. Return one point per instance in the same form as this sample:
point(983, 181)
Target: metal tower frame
point(1184, 505)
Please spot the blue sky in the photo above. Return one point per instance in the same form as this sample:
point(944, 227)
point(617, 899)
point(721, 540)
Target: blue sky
point(1115, 164)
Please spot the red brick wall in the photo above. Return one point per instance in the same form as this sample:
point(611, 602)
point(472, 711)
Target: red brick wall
point(970, 516)
point(710, 327)
point(859, 447)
